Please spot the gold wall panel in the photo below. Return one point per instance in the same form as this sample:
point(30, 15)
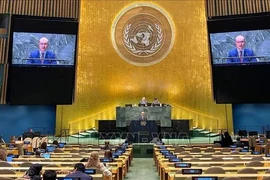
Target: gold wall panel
point(235, 7)
point(182, 79)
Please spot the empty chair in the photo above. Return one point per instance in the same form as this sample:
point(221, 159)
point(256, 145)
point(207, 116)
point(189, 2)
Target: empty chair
point(206, 156)
point(235, 153)
point(58, 151)
point(5, 164)
point(68, 146)
point(237, 159)
point(195, 160)
point(209, 150)
point(26, 164)
point(188, 156)
point(217, 159)
point(51, 165)
point(228, 165)
point(84, 150)
point(225, 150)
point(218, 153)
point(254, 164)
point(76, 156)
point(74, 151)
point(231, 178)
point(195, 150)
point(179, 149)
point(215, 170)
point(203, 165)
point(47, 160)
point(4, 178)
point(217, 145)
point(247, 170)
point(259, 158)
point(6, 171)
point(184, 153)
point(83, 146)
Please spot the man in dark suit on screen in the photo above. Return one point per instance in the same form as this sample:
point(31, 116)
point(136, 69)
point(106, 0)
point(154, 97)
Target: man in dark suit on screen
point(142, 116)
point(42, 55)
point(240, 54)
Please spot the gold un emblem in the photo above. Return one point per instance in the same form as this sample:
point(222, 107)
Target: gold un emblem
point(143, 34)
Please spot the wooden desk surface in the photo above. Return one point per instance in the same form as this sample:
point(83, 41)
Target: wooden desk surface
point(179, 176)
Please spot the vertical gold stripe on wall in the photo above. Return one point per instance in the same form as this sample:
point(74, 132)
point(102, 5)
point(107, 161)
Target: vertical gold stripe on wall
point(10, 7)
point(54, 14)
point(220, 7)
point(1, 51)
point(35, 10)
point(4, 85)
point(258, 6)
point(60, 8)
point(7, 6)
point(23, 7)
point(67, 8)
point(234, 7)
point(77, 9)
point(267, 5)
point(263, 5)
point(209, 8)
point(45, 13)
point(2, 6)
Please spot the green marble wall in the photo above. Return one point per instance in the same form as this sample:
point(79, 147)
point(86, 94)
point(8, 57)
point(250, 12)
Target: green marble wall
point(127, 114)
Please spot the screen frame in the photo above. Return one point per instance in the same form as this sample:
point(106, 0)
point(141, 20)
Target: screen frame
point(20, 94)
point(227, 86)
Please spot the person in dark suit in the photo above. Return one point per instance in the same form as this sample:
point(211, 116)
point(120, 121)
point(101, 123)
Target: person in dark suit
point(156, 102)
point(240, 54)
point(78, 171)
point(42, 55)
point(226, 140)
point(142, 116)
point(49, 175)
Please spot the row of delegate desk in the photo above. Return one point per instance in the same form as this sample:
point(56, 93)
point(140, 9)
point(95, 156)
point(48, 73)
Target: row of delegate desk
point(65, 162)
point(167, 171)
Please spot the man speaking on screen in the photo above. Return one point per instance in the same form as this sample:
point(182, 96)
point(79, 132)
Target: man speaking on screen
point(240, 54)
point(42, 55)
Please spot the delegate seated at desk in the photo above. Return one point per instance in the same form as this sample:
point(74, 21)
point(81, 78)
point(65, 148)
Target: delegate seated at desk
point(143, 101)
point(156, 102)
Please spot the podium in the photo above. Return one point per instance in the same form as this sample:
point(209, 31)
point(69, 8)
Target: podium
point(142, 131)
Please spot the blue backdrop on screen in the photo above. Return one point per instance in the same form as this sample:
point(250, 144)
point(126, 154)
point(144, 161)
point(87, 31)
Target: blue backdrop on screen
point(15, 120)
point(250, 117)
